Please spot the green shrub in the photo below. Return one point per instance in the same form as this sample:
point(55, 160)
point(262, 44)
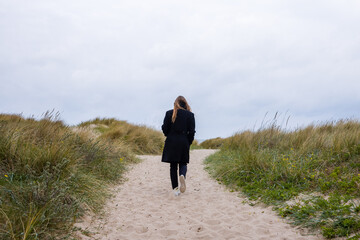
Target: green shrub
point(195, 145)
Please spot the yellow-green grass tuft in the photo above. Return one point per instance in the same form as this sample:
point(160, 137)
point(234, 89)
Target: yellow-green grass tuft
point(213, 143)
point(195, 145)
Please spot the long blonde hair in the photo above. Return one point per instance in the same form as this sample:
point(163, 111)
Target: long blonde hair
point(180, 103)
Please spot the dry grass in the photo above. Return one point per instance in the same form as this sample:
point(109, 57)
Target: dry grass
point(140, 139)
point(214, 143)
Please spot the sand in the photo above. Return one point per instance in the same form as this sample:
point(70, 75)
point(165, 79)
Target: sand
point(144, 207)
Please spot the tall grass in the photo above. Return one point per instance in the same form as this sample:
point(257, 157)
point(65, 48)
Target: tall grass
point(50, 175)
point(140, 139)
point(213, 143)
point(195, 145)
point(311, 175)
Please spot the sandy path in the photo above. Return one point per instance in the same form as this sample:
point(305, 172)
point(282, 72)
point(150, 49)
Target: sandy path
point(145, 208)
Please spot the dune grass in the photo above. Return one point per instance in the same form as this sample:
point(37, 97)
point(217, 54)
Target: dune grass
point(50, 175)
point(140, 139)
point(213, 143)
point(311, 175)
point(195, 145)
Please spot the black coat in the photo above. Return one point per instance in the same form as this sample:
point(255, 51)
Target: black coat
point(179, 136)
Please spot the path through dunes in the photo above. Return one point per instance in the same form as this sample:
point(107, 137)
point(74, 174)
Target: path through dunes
point(145, 208)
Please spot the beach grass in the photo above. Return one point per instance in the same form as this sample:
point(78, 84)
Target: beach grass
point(213, 143)
point(310, 175)
point(195, 145)
point(139, 138)
point(50, 175)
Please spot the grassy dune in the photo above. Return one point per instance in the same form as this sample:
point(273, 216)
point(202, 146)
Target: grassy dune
point(140, 139)
point(311, 175)
point(214, 143)
point(50, 174)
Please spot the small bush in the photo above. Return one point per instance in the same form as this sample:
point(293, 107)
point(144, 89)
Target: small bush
point(195, 145)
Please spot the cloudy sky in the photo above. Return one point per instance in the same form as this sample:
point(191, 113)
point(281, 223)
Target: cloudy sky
point(236, 61)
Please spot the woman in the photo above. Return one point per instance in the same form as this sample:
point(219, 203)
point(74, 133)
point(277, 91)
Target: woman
point(179, 129)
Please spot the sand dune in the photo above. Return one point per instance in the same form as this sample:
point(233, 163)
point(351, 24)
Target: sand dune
point(145, 208)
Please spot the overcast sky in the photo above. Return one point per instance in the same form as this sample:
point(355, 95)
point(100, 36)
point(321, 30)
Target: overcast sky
point(234, 60)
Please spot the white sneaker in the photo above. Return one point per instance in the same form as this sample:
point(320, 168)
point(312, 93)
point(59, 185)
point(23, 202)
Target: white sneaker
point(182, 184)
point(176, 191)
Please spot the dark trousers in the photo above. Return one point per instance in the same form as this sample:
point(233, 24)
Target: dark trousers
point(174, 175)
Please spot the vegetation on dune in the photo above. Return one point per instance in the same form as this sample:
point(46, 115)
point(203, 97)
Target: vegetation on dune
point(195, 145)
point(140, 139)
point(311, 175)
point(214, 143)
point(50, 174)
